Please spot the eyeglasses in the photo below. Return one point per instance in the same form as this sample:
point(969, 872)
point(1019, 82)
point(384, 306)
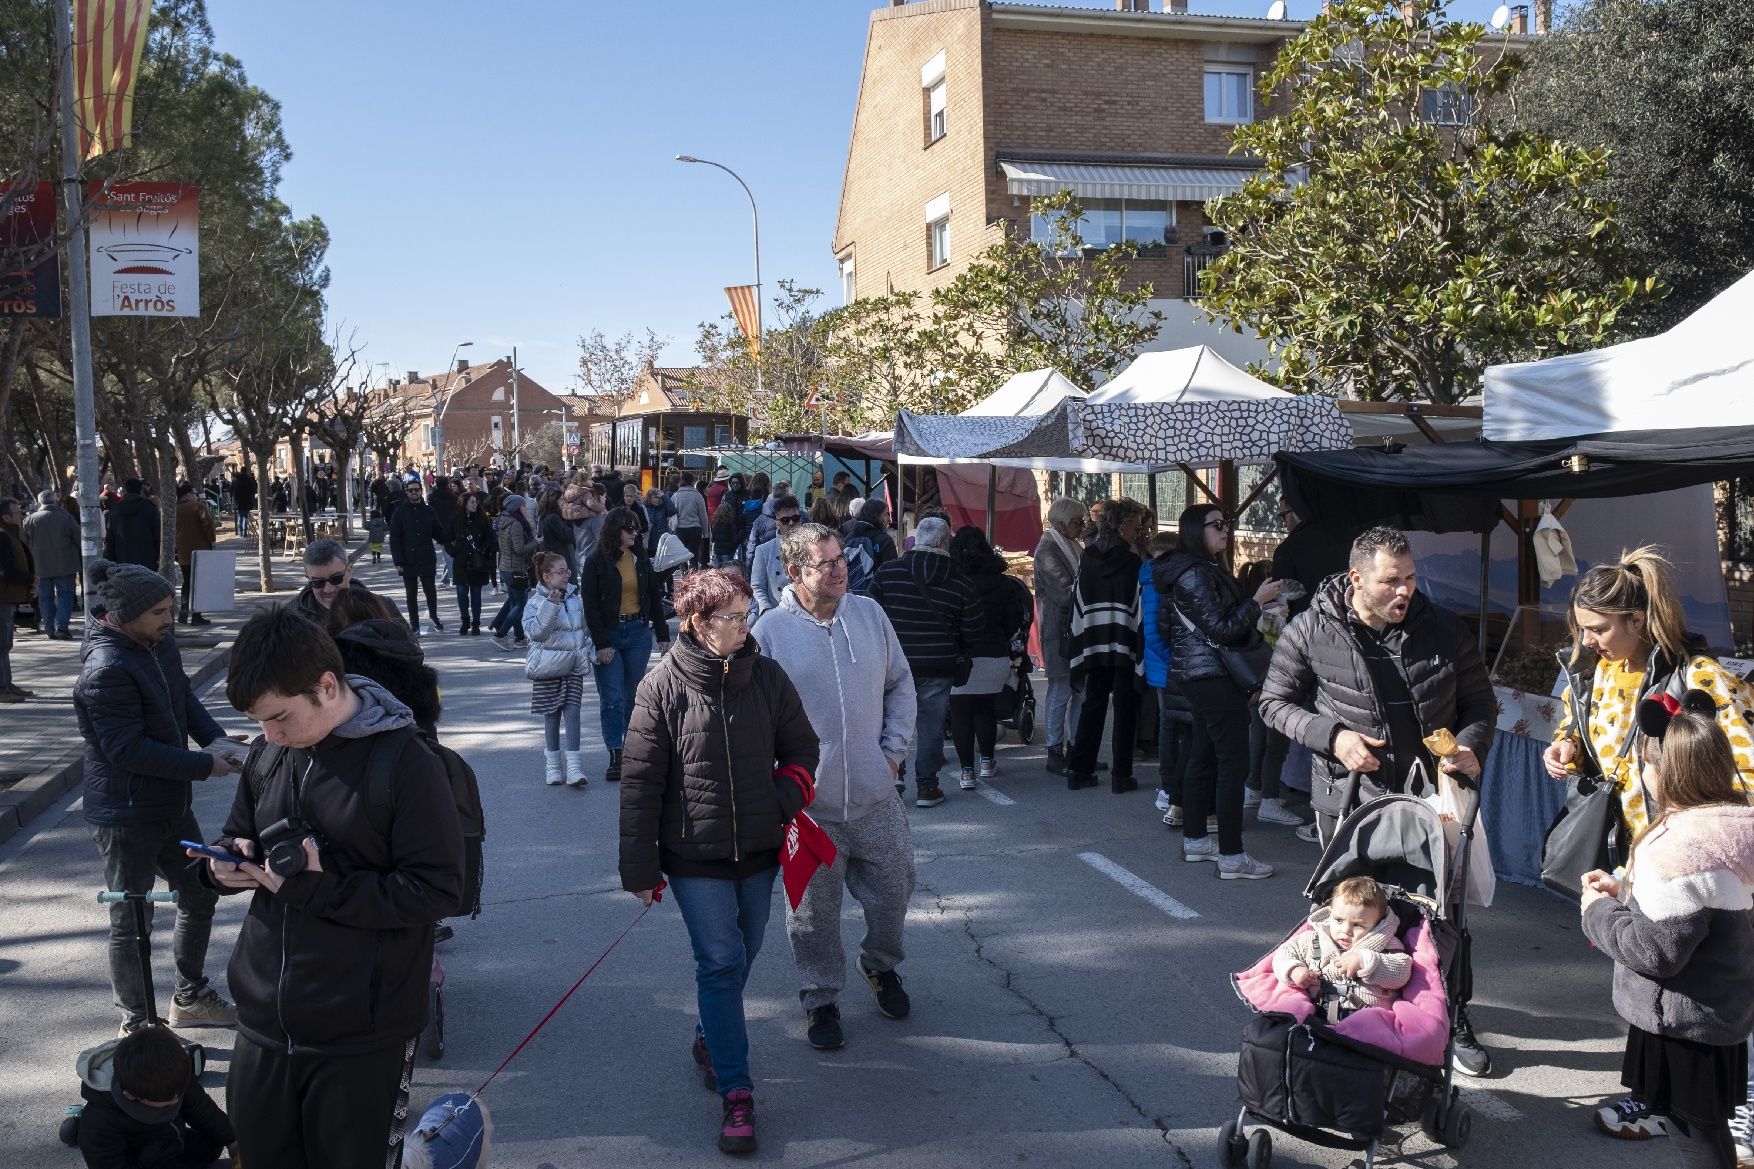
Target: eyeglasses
point(1217, 525)
point(788, 520)
point(729, 619)
point(328, 582)
point(827, 565)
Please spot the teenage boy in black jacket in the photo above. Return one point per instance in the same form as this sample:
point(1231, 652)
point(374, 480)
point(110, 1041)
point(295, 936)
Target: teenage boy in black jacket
point(331, 966)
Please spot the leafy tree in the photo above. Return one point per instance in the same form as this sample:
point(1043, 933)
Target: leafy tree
point(1386, 256)
point(609, 368)
point(791, 363)
point(1668, 87)
point(545, 446)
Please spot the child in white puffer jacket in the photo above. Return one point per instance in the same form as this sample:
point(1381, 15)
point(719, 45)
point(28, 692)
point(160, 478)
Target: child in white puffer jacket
point(554, 621)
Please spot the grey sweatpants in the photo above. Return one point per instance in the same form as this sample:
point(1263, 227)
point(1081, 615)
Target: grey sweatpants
point(875, 862)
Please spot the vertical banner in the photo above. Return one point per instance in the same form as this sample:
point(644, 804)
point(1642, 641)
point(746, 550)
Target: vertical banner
point(742, 298)
point(27, 226)
point(109, 37)
point(144, 256)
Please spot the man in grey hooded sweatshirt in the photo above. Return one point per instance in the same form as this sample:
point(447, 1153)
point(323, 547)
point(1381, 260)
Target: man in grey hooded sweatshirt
point(843, 656)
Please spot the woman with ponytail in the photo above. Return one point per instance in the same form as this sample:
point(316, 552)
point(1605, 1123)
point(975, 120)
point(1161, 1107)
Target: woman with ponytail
point(1628, 616)
point(1679, 926)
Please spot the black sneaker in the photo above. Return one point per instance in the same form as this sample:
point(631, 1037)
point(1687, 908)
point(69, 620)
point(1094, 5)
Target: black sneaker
point(1466, 1055)
point(822, 1028)
point(930, 796)
point(1056, 760)
point(892, 1000)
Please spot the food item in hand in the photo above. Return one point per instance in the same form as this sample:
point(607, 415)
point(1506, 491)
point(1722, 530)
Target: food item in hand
point(1441, 743)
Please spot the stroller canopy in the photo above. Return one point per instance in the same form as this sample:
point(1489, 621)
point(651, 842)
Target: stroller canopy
point(1398, 840)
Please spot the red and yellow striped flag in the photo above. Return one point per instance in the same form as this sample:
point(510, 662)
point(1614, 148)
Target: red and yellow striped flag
point(742, 298)
point(109, 37)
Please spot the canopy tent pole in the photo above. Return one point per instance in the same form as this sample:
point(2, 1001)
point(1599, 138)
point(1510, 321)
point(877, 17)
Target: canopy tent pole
point(1485, 585)
point(992, 498)
point(1151, 494)
point(1227, 496)
point(895, 515)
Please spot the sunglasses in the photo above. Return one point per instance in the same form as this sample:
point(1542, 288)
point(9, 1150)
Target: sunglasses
point(1217, 525)
point(788, 520)
point(327, 582)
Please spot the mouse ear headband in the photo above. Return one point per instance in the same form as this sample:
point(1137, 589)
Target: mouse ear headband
point(1655, 714)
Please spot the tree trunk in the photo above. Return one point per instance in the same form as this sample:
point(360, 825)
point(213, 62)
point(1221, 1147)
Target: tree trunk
point(264, 554)
point(344, 483)
point(165, 484)
point(58, 461)
point(299, 502)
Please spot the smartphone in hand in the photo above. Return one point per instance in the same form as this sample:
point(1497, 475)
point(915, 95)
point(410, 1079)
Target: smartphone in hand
point(218, 854)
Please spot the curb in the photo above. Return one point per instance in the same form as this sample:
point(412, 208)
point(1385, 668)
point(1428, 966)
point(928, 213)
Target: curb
point(30, 797)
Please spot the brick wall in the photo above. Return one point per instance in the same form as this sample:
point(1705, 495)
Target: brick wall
point(1739, 580)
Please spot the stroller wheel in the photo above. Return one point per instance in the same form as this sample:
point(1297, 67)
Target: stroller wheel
point(1450, 1127)
point(1260, 1149)
point(1232, 1148)
point(1026, 725)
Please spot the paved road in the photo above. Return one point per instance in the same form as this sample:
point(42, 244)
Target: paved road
point(1059, 1018)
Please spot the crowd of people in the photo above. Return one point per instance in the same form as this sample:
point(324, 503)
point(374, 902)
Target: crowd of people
point(783, 677)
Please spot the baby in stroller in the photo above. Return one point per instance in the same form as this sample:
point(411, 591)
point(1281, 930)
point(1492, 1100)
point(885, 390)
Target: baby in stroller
point(1349, 958)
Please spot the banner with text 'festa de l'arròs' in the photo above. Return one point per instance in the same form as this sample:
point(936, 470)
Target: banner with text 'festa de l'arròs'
point(145, 261)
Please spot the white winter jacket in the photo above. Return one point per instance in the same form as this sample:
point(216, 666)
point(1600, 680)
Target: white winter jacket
point(555, 626)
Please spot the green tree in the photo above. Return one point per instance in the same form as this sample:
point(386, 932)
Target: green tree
point(1668, 86)
point(1387, 253)
point(791, 361)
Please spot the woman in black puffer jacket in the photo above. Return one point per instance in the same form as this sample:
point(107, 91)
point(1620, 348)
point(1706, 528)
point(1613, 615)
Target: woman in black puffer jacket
point(1010, 611)
point(719, 757)
point(1205, 608)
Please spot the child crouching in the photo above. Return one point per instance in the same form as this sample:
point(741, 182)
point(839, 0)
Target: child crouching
point(143, 1106)
point(1349, 958)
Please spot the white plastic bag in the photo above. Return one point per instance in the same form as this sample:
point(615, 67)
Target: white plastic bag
point(1451, 803)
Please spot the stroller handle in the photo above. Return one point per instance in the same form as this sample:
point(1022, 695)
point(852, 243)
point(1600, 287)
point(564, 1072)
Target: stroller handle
point(168, 896)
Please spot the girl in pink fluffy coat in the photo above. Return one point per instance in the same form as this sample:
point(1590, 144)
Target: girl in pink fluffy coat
point(1679, 928)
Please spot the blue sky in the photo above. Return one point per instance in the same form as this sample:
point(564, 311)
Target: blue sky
point(503, 173)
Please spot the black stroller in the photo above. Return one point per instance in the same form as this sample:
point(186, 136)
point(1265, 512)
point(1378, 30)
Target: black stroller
point(1014, 706)
point(1320, 1081)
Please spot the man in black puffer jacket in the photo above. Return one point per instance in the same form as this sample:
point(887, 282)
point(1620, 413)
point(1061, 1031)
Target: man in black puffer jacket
point(136, 714)
point(1363, 676)
point(131, 528)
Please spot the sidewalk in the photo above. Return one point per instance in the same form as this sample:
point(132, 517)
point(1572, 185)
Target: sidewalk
point(41, 752)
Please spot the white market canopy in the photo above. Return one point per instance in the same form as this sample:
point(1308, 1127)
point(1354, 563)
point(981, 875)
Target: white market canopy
point(1698, 374)
point(1190, 406)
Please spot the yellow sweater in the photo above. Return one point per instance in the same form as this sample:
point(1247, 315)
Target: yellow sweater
point(1613, 713)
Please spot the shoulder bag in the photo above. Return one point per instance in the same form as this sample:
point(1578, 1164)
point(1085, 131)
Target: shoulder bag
point(1246, 664)
point(1588, 833)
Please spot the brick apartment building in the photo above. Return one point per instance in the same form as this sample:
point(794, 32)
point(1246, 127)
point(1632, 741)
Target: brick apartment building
point(969, 108)
point(478, 420)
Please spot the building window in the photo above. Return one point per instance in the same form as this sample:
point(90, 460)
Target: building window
point(1230, 95)
point(1106, 222)
point(937, 243)
point(1450, 104)
point(846, 281)
point(937, 118)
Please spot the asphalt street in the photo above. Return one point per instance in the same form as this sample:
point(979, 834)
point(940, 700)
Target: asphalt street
point(1069, 976)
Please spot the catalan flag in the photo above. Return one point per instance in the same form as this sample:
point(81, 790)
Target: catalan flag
point(109, 37)
point(744, 308)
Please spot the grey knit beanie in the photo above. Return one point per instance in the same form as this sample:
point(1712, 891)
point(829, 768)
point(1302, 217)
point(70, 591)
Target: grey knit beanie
point(127, 590)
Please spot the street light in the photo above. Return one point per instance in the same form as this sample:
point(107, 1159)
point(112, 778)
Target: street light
point(438, 426)
point(755, 218)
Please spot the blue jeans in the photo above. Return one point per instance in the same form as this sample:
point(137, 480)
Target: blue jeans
point(55, 600)
point(616, 682)
point(932, 707)
point(726, 921)
point(511, 612)
point(469, 604)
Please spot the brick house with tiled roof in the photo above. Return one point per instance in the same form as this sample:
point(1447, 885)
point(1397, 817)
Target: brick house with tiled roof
point(478, 417)
point(664, 415)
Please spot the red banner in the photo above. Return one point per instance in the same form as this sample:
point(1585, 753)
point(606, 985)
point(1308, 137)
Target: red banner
point(30, 281)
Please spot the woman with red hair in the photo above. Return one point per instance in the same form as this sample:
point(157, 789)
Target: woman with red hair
point(719, 757)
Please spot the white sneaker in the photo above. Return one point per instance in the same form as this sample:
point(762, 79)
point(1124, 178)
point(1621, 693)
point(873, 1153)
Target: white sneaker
point(1172, 816)
point(1251, 797)
point(1242, 867)
point(575, 768)
point(1162, 801)
point(1310, 833)
point(1631, 1120)
point(989, 767)
point(966, 780)
point(556, 769)
point(1203, 849)
point(1273, 811)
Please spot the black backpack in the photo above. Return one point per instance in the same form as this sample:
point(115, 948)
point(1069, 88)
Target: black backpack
point(380, 776)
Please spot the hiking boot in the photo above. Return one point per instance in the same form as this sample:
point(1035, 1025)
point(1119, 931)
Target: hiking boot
point(1242, 867)
point(1056, 760)
point(1273, 811)
point(205, 1009)
point(555, 773)
point(988, 767)
point(1203, 849)
point(612, 773)
point(1631, 1120)
point(1466, 1054)
point(892, 1000)
point(737, 1128)
point(930, 795)
point(703, 1059)
point(822, 1028)
point(966, 780)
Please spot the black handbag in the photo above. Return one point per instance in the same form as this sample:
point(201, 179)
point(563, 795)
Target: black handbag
point(1588, 833)
point(1246, 663)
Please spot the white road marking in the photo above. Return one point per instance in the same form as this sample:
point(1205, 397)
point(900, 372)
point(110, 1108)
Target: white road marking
point(1487, 1104)
point(1138, 886)
point(997, 797)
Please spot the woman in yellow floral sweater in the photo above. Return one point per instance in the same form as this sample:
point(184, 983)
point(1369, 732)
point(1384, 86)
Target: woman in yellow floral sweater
point(1629, 617)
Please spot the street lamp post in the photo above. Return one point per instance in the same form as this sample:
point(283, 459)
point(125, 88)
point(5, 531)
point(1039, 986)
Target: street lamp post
point(438, 425)
point(755, 219)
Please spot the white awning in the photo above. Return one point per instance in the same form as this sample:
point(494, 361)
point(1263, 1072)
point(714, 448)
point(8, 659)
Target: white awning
point(1170, 184)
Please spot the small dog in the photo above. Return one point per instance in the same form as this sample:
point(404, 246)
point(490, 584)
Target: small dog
point(452, 1134)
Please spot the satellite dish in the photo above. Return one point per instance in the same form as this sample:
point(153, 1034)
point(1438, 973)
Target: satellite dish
point(1500, 17)
point(1277, 10)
